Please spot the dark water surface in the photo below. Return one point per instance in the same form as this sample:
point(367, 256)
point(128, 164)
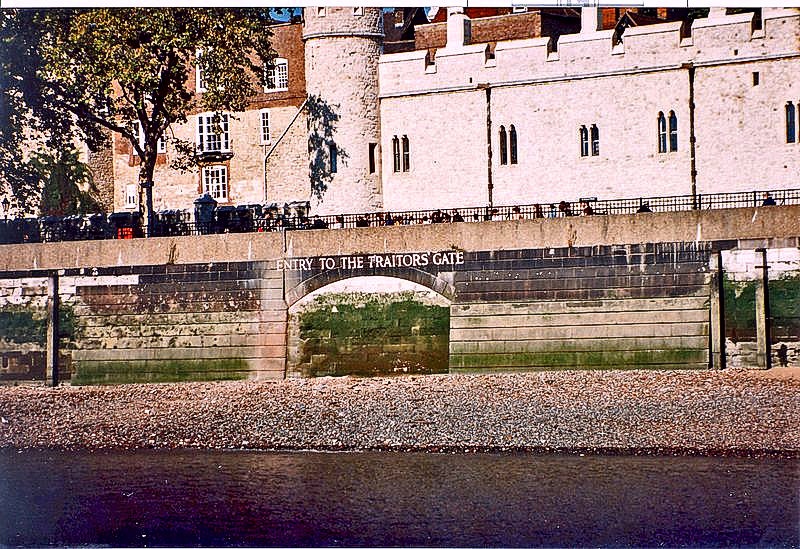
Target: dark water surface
point(187, 498)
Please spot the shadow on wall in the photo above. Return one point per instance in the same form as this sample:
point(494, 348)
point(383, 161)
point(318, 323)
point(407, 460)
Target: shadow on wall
point(324, 152)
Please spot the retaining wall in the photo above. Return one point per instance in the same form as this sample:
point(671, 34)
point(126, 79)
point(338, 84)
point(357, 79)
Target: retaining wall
point(603, 291)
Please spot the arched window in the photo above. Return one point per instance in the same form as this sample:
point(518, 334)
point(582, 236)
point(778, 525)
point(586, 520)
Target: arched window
point(584, 141)
point(396, 153)
point(673, 131)
point(791, 137)
point(406, 154)
point(595, 140)
point(512, 143)
point(333, 156)
point(503, 146)
point(662, 133)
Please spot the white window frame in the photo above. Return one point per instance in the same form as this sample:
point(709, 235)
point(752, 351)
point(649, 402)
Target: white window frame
point(204, 141)
point(131, 196)
point(358, 12)
point(199, 81)
point(322, 12)
point(277, 75)
point(263, 120)
point(215, 181)
point(161, 145)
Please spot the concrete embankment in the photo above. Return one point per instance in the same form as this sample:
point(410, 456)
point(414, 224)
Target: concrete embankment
point(734, 411)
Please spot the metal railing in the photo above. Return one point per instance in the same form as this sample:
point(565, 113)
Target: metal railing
point(258, 218)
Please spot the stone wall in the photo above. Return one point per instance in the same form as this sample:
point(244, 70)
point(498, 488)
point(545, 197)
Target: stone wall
point(548, 91)
point(342, 51)
point(600, 307)
point(182, 322)
point(621, 291)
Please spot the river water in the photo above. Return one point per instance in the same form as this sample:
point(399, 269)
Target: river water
point(194, 498)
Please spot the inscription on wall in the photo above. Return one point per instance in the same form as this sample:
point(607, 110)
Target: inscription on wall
point(372, 261)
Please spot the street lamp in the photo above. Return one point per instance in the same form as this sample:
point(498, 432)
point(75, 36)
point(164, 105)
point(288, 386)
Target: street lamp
point(6, 204)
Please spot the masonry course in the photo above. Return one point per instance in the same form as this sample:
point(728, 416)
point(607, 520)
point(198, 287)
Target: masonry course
point(600, 286)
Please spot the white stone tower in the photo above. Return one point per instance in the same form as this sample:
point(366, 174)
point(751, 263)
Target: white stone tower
point(342, 46)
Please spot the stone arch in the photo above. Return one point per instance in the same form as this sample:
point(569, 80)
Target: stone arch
point(433, 282)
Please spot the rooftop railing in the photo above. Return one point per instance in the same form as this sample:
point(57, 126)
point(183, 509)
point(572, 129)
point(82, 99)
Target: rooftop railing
point(261, 218)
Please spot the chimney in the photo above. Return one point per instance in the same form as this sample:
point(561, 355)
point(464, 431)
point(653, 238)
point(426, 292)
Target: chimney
point(591, 20)
point(458, 28)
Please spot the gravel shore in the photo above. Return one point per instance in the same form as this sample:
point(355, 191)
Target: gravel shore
point(729, 412)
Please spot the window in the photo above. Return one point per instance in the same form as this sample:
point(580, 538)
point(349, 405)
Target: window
point(396, 153)
point(161, 145)
point(373, 148)
point(321, 12)
point(512, 143)
point(791, 136)
point(199, 80)
point(212, 133)
point(503, 147)
point(215, 182)
point(358, 11)
point(595, 140)
point(332, 156)
point(406, 154)
point(131, 195)
point(662, 133)
point(673, 132)
point(584, 141)
point(756, 78)
point(277, 76)
point(264, 126)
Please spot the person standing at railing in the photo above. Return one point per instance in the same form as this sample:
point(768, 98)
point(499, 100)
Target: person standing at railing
point(552, 214)
point(564, 209)
point(537, 212)
point(768, 200)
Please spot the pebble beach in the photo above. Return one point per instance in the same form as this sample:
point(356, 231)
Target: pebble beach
point(663, 412)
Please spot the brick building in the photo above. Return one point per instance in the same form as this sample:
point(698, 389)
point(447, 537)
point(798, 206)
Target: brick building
point(379, 110)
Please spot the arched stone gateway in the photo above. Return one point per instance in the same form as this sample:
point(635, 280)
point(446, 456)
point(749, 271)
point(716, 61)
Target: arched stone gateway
point(368, 325)
point(440, 283)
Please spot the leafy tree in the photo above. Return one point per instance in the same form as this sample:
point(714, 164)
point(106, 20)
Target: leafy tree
point(68, 187)
point(68, 73)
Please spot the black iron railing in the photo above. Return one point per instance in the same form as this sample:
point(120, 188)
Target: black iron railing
point(259, 218)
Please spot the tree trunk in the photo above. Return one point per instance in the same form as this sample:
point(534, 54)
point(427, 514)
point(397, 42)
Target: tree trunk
point(146, 185)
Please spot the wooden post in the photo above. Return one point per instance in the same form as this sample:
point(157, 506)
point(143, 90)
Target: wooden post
point(717, 358)
point(763, 320)
point(52, 330)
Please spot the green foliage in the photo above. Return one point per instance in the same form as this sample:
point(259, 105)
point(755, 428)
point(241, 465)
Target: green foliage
point(68, 187)
point(68, 73)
